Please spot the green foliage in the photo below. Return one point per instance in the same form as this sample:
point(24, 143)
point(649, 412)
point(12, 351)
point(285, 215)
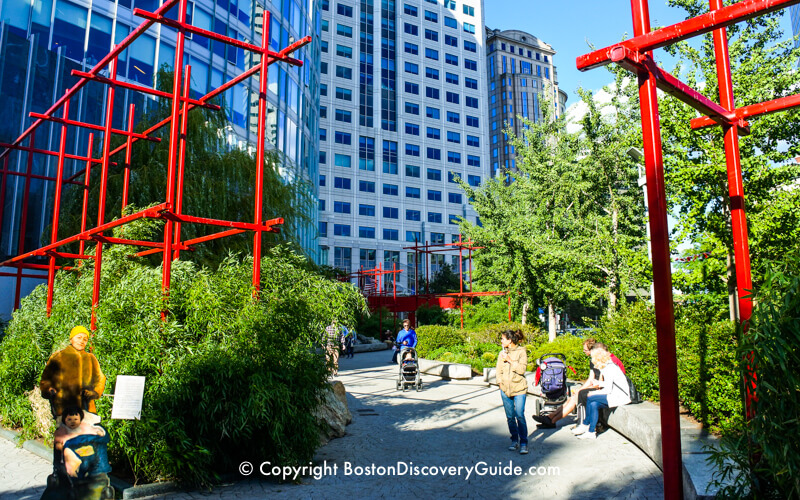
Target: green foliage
point(568, 345)
point(486, 311)
point(430, 338)
point(431, 315)
point(228, 378)
point(372, 324)
point(445, 280)
point(708, 379)
point(763, 64)
point(771, 346)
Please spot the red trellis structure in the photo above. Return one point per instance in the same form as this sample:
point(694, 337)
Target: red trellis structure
point(635, 55)
point(171, 209)
point(378, 298)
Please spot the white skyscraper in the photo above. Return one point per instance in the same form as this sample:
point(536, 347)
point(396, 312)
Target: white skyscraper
point(402, 112)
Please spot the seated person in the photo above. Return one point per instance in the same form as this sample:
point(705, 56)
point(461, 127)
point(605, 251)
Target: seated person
point(579, 397)
point(613, 392)
point(408, 358)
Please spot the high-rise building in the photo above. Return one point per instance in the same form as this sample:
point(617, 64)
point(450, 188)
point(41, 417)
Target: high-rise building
point(521, 73)
point(402, 115)
point(794, 13)
point(41, 41)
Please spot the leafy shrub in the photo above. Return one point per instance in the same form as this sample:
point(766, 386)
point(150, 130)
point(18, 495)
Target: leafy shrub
point(434, 337)
point(490, 333)
point(761, 457)
point(373, 323)
point(708, 379)
point(431, 315)
point(228, 378)
point(570, 346)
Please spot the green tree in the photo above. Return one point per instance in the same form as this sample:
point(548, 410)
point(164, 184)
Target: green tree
point(219, 183)
point(532, 219)
point(762, 63)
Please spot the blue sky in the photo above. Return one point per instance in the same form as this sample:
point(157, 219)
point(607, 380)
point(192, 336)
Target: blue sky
point(568, 25)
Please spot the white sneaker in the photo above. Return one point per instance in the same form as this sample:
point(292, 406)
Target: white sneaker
point(588, 435)
point(580, 429)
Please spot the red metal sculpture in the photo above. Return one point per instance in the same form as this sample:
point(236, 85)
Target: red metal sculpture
point(171, 209)
point(635, 55)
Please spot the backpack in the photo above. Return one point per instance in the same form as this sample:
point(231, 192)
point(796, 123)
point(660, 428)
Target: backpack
point(553, 375)
point(636, 397)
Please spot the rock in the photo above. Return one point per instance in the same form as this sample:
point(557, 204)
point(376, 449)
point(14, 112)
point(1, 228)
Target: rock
point(333, 413)
point(41, 409)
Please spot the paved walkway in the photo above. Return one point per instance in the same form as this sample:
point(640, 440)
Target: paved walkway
point(448, 424)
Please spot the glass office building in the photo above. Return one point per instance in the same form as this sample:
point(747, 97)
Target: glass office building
point(43, 40)
point(521, 72)
point(402, 114)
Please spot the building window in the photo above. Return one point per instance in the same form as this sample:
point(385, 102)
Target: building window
point(391, 213)
point(344, 94)
point(344, 10)
point(410, 10)
point(435, 217)
point(342, 138)
point(473, 161)
point(469, 28)
point(412, 192)
point(433, 133)
point(412, 171)
point(391, 234)
point(412, 150)
point(412, 129)
point(366, 210)
point(450, 22)
point(346, 73)
point(470, 64)
point(432, 35)
point(453, 219)
point(451, 78)
point(343, 116)
point(343, 30)
point(471, 102)
point(412, 88)
point(344, 51)
point(390, 190)
point(341, 160)
point(413, 236)
point(411, 48)
point(434, 154)
point(472, 121)
point(432, 113)
point(451, 59)
point(434, 195)
point(450, 40)
point(366, 153)
point(431, 73)
point(452, 97)
point(367, 232)
point(413, 215)
point(474, 180)
point(389, 157)
point(431, 16)
point(323, 229)
point(434, 174)
point(341, 230)
point(366, 186)
point(431, 93)
point(341, 207)
point(454, 137)
point(412, 68)
point(412, 109)
point(454, 198)
point(411, 29)
point(342, 258)
point(341, 183)
point(453, 157)
point(452, 117)
point(473, 141)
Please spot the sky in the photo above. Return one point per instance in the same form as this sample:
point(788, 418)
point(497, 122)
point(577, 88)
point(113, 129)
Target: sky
point(570, 25)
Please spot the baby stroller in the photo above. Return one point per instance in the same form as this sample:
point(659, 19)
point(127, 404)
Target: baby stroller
point(408, 373)
point(551, 377)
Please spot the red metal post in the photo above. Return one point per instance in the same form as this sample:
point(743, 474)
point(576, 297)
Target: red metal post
point(735, 188)
point(3, 191)
point(85, 211)
point(662, 273)
point(24, 218)
point(166, 268)
point(51, 271)
point(128, 157)
point(101, 205)
point(262, 114)
point(427, 272)
point(461, 279)
point(509, 307)
point(182, 158)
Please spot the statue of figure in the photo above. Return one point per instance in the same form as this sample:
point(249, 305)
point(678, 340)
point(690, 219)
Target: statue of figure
point(72, 376)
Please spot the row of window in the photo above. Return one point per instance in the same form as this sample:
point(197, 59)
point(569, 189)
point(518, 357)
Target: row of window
point(411, 192)
point(390, 159)
point(365, 210)
point(433, 174)
point(388, 234)
point(521, 52)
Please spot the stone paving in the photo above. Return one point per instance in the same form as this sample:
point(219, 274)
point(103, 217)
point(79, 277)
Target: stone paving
point(448, 424)
point(23, 475)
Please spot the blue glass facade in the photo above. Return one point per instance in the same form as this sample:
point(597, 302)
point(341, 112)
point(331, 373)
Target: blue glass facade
point(43, 40)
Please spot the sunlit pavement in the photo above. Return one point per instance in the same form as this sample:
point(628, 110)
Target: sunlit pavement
point(447, 441)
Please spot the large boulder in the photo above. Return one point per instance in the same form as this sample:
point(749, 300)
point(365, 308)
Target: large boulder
point(333, 413)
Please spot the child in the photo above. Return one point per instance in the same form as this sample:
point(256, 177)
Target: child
point(72, 425)
point(409, 357)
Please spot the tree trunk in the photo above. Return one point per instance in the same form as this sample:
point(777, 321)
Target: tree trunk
point(612, 294)
point(525, 308)
point(551, 320)
point(733, 300)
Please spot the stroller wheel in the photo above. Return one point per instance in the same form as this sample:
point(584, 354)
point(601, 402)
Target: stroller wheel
point(537, 406)
point(399, 385)
point(419, 386)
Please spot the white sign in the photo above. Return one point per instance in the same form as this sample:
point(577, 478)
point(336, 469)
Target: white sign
point(128, 396)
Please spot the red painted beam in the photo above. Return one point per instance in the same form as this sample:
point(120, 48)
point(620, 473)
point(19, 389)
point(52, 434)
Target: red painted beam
point(142, 89)
point(92, 126)
point(732, 14)
point(762, 108)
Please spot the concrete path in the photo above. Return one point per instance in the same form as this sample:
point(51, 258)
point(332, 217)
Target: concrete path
point(23, 475)
point(448, 425)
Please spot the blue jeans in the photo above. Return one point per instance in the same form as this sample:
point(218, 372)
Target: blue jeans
point(593, 404)
point(515, 414)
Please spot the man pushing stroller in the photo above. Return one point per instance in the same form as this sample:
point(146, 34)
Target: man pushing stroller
point(406, 339)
